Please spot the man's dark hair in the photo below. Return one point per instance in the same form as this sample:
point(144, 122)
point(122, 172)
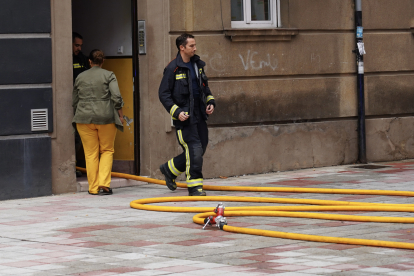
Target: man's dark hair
point(76, 35)
point(182, 40)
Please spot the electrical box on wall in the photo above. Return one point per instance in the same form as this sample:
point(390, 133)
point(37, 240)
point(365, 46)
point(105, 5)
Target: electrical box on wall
point(120, 50)
point(142, 43)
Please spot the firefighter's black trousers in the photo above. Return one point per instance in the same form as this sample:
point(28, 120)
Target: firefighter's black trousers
point(193, 138)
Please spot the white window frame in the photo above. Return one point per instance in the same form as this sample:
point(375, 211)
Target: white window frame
point(249, 24)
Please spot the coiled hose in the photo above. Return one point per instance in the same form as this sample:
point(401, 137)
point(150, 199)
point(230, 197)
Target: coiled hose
point(284, 211)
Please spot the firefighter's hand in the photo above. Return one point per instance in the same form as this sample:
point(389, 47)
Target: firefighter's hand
point(210, 109)
point(182, 117)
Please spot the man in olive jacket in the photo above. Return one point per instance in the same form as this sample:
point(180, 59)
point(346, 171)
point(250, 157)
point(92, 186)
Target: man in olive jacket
point(185, 94)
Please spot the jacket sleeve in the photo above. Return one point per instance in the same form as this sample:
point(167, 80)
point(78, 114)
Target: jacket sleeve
point(115, 93)
point(165, 93)
point(207, 92)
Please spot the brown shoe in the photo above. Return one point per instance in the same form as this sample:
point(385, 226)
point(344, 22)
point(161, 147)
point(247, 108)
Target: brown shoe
point(105, 190)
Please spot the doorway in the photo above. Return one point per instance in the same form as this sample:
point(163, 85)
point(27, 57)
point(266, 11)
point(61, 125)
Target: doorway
point(109, 25)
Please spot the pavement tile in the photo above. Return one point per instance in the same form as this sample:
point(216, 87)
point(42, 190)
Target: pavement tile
point(340, 246)
point(16, 271)
point(285, 224)
point(91, 244)
point(140, 243)
point(147, 273)
point(401, 273)
point(294, 274)
point(318, 264)
point(341, 259)
point(235, 269)
point(97, 273)
point(263, 250)
point(120, 270)
point(402, 266)
point(288, 254)
point(214, 233)
point(345, 267)
point(46, 267)
point(263, 265)
point(319, 271)
point(262, 258)
point(57, 254)
point(377, 270)
point(68, 235)
point(22, 264)
point(177, 269)
point(147, 226)
point(261, 271)
point(292, 267)
point(130, 256)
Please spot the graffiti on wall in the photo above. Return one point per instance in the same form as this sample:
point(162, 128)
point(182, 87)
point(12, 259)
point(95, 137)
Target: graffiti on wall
point(256, 61)
point(252, 60)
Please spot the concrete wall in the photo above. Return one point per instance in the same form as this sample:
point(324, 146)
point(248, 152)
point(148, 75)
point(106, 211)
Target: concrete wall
point(63, 141)
point(285, 104)
point(104, 24)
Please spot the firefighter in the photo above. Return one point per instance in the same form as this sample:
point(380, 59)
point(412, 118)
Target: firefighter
point(185, 94)
point(80, 64)
point(80, 61)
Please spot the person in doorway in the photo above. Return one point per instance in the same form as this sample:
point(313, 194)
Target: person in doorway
point(185, 94)
point(80, 64)
point(80, 61)
point(98, 103)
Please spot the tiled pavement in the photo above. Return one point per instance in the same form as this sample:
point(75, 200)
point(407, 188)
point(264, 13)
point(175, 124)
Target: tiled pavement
point(79, 234)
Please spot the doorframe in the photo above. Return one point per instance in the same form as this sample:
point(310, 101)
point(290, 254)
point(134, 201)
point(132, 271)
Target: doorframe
point(136, 90)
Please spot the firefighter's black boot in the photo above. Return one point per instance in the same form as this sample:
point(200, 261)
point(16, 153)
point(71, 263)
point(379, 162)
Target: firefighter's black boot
point(196, 191)
point(169, 179)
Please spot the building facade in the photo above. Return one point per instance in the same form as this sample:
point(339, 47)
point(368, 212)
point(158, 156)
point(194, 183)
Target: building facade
point(283, 73)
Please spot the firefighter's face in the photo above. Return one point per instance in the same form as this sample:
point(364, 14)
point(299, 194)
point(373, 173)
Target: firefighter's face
point(77, 45)
point(189, 49)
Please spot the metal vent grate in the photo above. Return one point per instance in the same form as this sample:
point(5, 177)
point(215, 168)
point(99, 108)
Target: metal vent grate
point(39, 119)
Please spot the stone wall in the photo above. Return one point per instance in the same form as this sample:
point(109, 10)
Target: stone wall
point(289, 103)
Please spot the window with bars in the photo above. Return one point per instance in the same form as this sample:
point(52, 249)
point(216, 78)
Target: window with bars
point(255, 14)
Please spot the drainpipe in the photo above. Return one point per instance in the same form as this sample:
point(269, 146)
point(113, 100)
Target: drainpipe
point(362, 152)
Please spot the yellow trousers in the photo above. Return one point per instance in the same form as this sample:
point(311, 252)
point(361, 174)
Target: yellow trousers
point(98, 140)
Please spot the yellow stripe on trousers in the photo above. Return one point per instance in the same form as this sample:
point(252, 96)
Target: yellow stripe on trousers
point(187, 153)
point(172, 168)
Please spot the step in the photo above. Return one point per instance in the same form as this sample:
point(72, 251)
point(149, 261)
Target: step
point(83, 185)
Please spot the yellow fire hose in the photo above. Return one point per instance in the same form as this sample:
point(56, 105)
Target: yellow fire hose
point(284, 211)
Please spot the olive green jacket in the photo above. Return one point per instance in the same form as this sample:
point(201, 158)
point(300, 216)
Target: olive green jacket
point(96, 98)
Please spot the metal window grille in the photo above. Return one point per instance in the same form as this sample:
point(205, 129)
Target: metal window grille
point(39, 119)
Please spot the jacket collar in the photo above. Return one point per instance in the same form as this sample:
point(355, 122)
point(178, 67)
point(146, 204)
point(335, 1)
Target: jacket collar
point(195, 59)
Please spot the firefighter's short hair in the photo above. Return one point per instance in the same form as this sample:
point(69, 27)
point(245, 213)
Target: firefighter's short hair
point(182, 40)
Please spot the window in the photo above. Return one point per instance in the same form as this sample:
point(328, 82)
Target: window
point(255, 13)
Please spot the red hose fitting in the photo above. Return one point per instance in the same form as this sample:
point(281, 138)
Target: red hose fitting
point(218, 219)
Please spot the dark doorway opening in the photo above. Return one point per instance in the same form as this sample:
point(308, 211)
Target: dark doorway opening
point(111, 25)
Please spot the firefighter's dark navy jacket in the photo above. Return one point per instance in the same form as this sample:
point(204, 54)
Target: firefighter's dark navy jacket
point(175, 91)
point(80, 64)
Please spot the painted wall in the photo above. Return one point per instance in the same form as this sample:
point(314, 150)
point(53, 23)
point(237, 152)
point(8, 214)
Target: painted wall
point(124, 141)
point(104, 24)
